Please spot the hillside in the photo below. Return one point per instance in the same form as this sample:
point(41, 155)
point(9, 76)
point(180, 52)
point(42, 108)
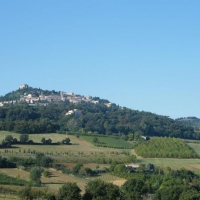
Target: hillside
point(190, 121)
point(79, 114)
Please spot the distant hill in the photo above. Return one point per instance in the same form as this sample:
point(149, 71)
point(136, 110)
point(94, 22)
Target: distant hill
point(190, 121)
point(87, 116)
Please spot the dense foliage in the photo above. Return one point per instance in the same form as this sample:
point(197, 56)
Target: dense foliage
point(165, 184)
point(165, 148)
point(159, 184)
point(190, 121)
point(95, 118)
point(7, 180)
point(5, 163)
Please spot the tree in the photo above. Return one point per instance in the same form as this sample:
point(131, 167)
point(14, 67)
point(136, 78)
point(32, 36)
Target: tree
point(69, 191)
point(43, 140)
point(43, 160)
point(95, 140)
point(150, 167)
point(66, 141)
point(26, 193)
point(49, 141)
point(9, 138)
point(76, 168)
point(133, 189)
point(35, 175)
point(169, 192)
point(6, 144)
point(101, 190)
point(190, 194)
point(24, 138)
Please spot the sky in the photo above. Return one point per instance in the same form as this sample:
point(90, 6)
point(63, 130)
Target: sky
point(141, 54)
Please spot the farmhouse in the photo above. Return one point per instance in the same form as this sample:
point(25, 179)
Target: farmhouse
point(134, 166)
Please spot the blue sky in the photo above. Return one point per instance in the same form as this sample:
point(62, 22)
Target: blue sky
point(137, 53)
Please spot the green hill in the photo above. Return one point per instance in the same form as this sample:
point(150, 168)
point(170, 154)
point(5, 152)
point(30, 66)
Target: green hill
point(97, 118)
point(190, 121)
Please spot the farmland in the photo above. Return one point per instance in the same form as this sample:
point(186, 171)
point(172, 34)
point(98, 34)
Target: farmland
point(81, 151)
point(190, 164)
point(164, 147)
point(57, 179)
point(195, 146)
point(108, 142)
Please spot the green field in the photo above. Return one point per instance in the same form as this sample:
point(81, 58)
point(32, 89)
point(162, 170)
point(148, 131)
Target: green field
point(195, 147)
point(57, 179)
point(81, 151)
point(190, 164)
point(85, 152)
point(165, 147)
point(36, 137)
point(108, 142)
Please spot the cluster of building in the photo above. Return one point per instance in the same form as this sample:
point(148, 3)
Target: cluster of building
point(8, 102)
point(45, 99)
point(73, 98)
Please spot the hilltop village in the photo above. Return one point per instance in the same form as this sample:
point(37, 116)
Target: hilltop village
point(43, 100)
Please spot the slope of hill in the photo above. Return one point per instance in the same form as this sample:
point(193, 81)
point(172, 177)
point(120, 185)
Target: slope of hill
point(84, 117)
point(190, 121)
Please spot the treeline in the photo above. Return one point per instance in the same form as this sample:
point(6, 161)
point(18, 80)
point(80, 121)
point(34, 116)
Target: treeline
point(165, 148)
point(95, 118)
point(5, 163)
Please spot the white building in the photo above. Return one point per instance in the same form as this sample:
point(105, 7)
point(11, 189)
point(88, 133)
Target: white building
point(23, 86)
point(76, 112)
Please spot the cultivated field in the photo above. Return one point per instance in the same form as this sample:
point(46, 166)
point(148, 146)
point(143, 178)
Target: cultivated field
point(80, 149)
point(85, 152)
point(57, 179)
point(110, 178)
point(79, 145)
point(190, 164)
point(108, 142)
point(195, 146)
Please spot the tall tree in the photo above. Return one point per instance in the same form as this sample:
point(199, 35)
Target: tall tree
point(69, 191)
point(101, 190)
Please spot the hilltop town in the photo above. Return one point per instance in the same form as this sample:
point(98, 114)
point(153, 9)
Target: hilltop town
point(43, 100)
